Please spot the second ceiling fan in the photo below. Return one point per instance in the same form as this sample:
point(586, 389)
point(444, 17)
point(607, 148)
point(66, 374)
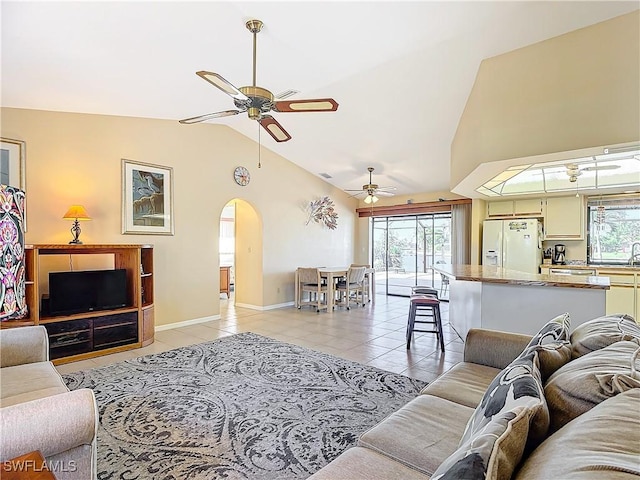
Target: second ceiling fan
point(372, 190)
point(258, 101)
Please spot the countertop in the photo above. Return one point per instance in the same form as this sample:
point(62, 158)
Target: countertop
point(483, 273)
point(622, 268)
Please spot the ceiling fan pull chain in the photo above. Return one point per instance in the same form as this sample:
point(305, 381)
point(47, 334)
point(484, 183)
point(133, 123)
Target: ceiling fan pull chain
point(259, 149)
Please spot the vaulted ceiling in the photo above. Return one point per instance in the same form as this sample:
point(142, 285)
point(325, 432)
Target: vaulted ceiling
point(400, 71)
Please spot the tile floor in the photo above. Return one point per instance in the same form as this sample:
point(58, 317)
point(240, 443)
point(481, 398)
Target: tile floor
point(373, 335)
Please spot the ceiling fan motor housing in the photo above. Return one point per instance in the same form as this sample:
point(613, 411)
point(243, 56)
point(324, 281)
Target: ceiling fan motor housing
point(260, 101)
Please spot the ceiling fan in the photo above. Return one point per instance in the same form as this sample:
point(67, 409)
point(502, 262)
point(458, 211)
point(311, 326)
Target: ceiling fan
point(574, 170)
point(372, 191)
point(258, 101)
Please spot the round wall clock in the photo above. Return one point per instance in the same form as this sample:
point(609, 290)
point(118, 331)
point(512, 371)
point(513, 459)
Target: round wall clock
point(241, 176)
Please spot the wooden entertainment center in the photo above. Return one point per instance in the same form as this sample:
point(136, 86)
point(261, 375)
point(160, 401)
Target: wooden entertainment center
point(91, 334)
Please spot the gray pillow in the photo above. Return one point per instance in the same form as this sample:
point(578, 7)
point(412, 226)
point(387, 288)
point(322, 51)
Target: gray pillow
point(587, 381)
point(552, 345)
point(492, 452)
point(518, 385)
point(603, 331)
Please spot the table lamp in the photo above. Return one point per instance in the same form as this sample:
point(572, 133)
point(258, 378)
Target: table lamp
point(76, 213)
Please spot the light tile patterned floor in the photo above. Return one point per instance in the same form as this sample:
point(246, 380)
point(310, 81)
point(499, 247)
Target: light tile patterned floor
point(373, 335)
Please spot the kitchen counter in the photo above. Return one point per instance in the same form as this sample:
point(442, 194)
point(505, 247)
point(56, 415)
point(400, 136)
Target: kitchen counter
point(607, 268)
point(500, 299)
point(490, 274)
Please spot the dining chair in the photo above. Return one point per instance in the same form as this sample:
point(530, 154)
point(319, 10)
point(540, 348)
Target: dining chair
point(367, 279)
point(444, 288)
point(353, 284)
point(309, 281)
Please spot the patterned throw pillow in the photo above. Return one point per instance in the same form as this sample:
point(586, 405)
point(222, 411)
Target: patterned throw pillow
point(518, 385)
point(552, 345)
point(589, 380)
point(603, 331)
point(492, 452)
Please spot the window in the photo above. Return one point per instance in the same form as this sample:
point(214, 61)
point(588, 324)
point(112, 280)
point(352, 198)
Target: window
point(614, 226)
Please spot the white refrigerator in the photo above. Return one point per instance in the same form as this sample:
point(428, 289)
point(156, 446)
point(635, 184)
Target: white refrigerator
point(513, 244)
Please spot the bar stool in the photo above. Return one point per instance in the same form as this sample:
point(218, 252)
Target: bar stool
point(425, 305)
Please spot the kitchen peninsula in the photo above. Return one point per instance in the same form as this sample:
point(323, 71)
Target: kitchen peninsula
point(500, 299)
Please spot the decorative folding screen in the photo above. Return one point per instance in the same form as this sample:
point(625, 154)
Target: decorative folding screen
point(12, 261)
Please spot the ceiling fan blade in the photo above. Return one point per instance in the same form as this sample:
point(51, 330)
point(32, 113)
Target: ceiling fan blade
point(601, 167)
point(209, 116)
point(356, 194)
point(388, 189)
point(217, 81)
point(308, 105)
point(274, 129)
point(383, 193)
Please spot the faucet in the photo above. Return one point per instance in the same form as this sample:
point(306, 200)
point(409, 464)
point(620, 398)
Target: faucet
point(635, 257)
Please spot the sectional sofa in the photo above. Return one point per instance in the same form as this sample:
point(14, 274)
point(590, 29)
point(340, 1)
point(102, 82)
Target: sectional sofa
point(37, 410)
point(558, 405)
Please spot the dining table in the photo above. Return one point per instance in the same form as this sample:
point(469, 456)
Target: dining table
point(332, 274)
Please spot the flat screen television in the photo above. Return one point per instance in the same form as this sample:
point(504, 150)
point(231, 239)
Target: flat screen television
point(87, 291)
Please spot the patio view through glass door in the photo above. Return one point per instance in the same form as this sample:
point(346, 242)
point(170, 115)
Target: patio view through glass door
point(404, 248)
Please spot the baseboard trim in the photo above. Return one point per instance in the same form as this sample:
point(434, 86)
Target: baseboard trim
point(265, 307)
point(186, 323)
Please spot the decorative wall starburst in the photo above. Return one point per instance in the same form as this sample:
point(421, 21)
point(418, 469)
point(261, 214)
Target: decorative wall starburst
point(323, 211)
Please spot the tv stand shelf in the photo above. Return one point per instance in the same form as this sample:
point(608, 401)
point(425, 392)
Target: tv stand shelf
point(90, 334)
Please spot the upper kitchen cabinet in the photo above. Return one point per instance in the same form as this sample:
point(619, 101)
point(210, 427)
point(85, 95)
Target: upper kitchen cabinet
point(564, 218)
point(527, 207)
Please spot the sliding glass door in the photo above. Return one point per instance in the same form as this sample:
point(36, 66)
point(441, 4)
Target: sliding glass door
point(404, 248)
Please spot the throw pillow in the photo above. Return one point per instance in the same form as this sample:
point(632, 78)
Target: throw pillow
point(552, 345)
point(518, 385)
point(603, 331)
point(603, 443)
point(587, 381)
point(492, 452)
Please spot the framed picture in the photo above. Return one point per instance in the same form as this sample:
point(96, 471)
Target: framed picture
point(147, 198)
point(12, 163)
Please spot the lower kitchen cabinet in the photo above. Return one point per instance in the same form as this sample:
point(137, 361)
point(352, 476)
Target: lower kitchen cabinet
point(624, 293)
point(621, 299)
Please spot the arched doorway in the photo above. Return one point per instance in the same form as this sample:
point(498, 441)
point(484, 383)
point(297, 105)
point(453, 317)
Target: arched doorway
point(242, 251)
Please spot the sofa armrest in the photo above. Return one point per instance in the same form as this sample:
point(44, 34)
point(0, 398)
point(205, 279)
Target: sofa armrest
point(493, 348)
point(22, 345)
point(52, 425)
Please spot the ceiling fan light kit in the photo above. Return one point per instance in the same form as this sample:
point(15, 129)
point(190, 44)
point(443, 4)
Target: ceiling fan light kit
point(258, 101)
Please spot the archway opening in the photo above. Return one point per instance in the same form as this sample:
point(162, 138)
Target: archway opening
point(241, 250)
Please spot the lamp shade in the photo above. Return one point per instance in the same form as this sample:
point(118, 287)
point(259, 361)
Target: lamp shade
point(76, 212)
point(370, 199)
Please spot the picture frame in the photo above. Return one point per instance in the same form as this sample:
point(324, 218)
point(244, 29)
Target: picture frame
point(13, 163)
point(147, 198)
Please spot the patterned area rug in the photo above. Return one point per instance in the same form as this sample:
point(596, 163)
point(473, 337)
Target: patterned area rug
point(241, 407)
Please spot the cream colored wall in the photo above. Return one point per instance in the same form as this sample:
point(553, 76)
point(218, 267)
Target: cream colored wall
point(571, 92)
point(248, 259)
point(76, 158)
point(575, 249)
